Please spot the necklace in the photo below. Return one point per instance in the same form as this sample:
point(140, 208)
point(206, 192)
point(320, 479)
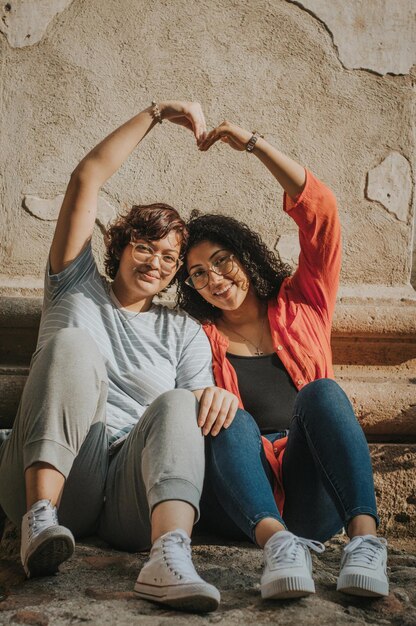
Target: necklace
point(257, 348)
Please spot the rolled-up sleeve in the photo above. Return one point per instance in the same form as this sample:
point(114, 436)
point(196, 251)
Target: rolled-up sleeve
point(316, 279)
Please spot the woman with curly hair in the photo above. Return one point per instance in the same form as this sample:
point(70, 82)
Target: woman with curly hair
point(107, 437)
point(293, 468)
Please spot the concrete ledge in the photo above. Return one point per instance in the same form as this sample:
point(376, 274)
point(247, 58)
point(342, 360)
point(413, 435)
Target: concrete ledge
point(363, 333)
point(374, 346)
point(375, 318)
point(384, 401)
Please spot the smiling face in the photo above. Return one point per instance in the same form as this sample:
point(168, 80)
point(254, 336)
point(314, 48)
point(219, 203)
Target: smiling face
point(227, 291)
point(145, 269)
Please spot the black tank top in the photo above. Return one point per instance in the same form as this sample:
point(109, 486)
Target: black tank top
point(266, 389)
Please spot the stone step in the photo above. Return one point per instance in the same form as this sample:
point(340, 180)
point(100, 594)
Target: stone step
point(363, 334)
point(384, 399)
point(19, 325)
point(374, 349)
point(12, 381)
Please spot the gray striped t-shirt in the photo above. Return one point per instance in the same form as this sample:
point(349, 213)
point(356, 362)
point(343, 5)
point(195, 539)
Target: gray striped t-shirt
point(145, 354)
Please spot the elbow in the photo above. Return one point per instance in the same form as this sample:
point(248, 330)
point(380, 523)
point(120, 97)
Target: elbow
point(85, 173)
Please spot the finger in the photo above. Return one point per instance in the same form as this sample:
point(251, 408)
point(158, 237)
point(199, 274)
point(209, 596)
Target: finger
point(219, 422)
point(202, 138)
point(231, 414)
point(204, 406)
point(201, 130)
point(183, 121)
point(209, 135)
point(228, 411)
point(212, 416)
point(212, 137)
point(222, 415)
point(198, 122)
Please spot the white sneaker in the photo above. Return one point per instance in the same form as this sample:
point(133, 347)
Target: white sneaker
point(288, 566)
point(364, 567)
point(169, 577)
point(45, 544)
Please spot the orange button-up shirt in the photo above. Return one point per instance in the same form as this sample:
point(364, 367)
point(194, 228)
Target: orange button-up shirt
point(300, 317)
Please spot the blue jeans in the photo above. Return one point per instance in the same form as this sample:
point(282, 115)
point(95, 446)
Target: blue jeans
point(327, 472)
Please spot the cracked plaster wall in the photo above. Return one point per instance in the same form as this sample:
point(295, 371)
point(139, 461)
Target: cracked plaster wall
point(378, 35)
point(277, 66)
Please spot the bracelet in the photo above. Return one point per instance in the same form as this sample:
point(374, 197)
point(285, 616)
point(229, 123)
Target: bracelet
point(252, 141)
point(155, 112)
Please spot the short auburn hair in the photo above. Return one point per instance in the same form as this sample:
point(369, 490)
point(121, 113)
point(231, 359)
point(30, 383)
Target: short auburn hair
point(147, 221)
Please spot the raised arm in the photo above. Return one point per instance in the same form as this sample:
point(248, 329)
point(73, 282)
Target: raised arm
point(314, 211)
point(287, 172)
point(79, 208)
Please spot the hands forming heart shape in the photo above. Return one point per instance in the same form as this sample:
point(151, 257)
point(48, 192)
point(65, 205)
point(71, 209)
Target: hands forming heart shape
point(191, 116)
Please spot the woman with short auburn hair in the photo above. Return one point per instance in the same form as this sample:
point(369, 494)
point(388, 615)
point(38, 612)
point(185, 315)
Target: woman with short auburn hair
point(108, 434)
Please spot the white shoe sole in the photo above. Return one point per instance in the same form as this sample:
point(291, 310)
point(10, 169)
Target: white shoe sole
point(361, 585)
point(50, 548)
point(200, 598)
point(287, 587)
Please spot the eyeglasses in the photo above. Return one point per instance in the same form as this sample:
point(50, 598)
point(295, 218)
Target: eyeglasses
point(222, 265)
point(142, 253)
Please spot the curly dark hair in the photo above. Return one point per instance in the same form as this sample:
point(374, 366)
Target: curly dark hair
point(150, 221)
point(264, 269)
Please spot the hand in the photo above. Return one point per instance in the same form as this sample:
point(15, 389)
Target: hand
point(217, 408)
point(232, 134)
point(188, 114)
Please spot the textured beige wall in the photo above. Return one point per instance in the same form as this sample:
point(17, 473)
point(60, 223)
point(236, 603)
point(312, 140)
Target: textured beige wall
point(71, 71)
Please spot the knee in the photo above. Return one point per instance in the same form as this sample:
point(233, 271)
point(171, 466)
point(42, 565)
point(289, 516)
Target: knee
point(321, 391)
point(175, 408)
point(323, 398)
point(242, 428)
point(69, 342)
point(179, 400)
point(72, 345)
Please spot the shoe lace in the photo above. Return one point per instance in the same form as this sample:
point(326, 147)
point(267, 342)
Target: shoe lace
point(43, 516)
point(176, 550)
point(364, 549)
point(291, 549)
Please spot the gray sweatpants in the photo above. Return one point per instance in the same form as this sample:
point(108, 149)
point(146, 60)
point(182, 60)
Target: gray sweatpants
point(61, 421)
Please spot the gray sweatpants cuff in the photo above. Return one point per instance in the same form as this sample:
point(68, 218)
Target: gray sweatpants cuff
point(51, 452)
point(174, 489)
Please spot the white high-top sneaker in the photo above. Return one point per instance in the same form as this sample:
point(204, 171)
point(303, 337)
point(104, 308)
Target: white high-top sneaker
point(364, 567)
point(169, 577)
point(288, 566)
point(45, 544)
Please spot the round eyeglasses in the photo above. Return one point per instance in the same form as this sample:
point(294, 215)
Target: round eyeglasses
point(143, 253)
point(221, 266)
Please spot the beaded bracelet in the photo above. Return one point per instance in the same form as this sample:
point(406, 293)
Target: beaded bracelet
point(155, 112)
